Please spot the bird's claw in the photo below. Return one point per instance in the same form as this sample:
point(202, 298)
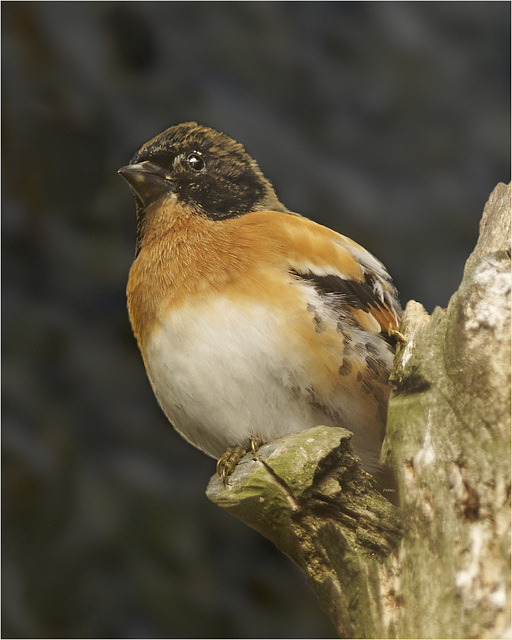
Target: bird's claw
point(394, 333)
point(226, 464)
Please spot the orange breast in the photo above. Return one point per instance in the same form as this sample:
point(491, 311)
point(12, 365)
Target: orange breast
point(186, 257)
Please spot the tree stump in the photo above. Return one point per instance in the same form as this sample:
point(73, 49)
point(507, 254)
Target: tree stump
point(439, 566)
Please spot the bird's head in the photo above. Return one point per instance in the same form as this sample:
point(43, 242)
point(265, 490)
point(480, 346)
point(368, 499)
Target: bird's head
point(201, 168)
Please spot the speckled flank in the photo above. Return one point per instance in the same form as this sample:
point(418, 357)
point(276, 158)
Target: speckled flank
point(319, 323)
point(345, 368)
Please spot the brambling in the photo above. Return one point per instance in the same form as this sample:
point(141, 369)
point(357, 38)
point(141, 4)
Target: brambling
point(253, 321)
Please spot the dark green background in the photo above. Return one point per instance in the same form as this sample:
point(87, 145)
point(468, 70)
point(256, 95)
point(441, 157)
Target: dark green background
point(387, 121)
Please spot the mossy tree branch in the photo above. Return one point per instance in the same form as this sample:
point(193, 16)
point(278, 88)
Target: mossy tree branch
point(440, 565)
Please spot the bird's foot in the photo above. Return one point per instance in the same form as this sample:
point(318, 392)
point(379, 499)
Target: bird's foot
point(226, 464)
point(394, 333)
point(255, 444)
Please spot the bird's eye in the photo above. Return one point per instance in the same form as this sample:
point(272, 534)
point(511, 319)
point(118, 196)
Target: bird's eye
point(195, 162)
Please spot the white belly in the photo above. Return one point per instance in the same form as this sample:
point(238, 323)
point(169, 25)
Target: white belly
point(227, 374)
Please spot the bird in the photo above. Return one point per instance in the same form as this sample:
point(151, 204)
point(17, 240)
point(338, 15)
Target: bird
point(253, 321)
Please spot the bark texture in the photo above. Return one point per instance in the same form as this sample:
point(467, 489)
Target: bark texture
point(440, 565)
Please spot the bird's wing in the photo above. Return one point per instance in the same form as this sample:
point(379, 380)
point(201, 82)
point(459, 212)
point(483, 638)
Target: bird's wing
point(341, 270)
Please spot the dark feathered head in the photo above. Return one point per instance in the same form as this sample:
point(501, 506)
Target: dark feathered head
point(203, 169)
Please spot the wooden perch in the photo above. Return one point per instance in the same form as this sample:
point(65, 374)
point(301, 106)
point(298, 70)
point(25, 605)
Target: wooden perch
point(440, 565)
point(308, 494)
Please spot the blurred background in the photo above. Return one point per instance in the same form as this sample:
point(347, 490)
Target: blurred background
point(387, 121)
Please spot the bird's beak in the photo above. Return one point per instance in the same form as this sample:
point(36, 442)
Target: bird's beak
point(147, 181)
